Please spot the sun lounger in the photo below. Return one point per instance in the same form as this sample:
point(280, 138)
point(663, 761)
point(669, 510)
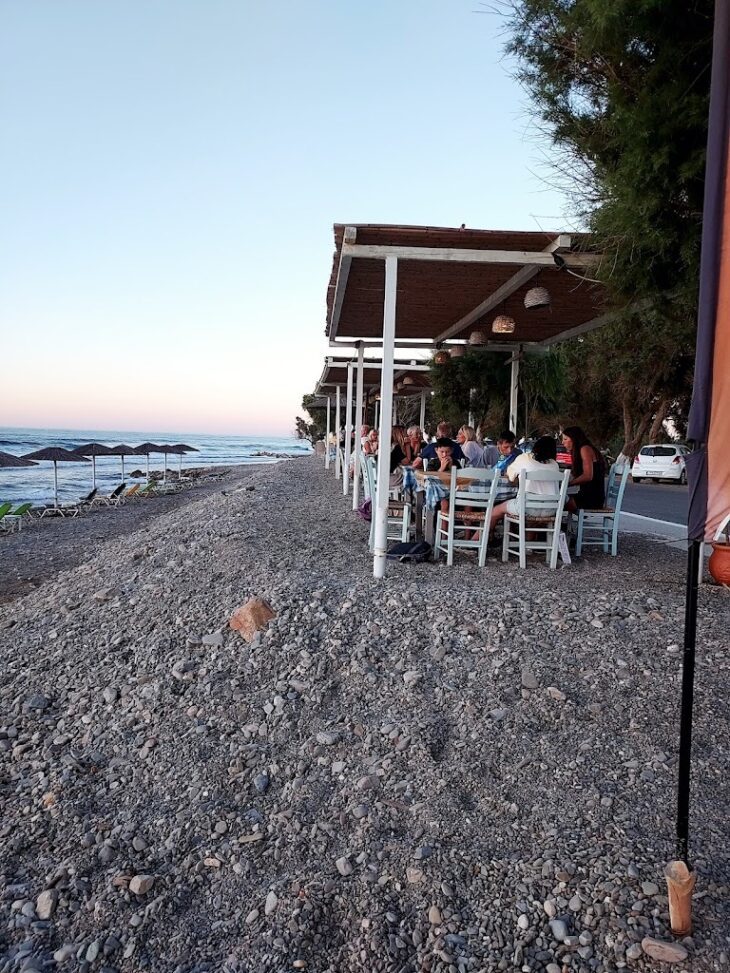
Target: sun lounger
point(130, 492)
point(5, 509)
point(13, 519)
point(113, 499)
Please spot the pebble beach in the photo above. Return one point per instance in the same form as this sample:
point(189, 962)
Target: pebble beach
point(452, 770)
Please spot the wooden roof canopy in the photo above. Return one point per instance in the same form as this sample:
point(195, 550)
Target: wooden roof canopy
point(335, 373)
point(455, 281)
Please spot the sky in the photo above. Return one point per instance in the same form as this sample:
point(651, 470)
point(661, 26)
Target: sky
point(170, 171)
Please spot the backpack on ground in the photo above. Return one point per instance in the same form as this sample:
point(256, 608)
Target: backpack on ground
point(410, 551)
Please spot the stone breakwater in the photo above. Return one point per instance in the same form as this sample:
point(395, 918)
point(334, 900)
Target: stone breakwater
point(452, 771)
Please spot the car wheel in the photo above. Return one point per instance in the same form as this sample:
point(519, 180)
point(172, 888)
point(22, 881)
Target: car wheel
point(636, 479)
point(683, 478)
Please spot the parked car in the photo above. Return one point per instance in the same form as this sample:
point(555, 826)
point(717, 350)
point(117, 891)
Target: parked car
point(664, 462)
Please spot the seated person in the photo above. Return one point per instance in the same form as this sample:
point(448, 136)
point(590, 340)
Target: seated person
point(398, 455)
point(508, 451)
point(491, 454)
point(364, 432)
point(442, 463)
point(471, 449)
point(370, 446)
point(415, 442)
point(542, 458)
point(588, 470)
point(428, 453)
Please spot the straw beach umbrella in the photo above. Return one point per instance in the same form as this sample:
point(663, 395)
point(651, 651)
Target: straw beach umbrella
point(144, 450)
point(122, 450)
point(180, 449)
point(55, 455)
point(93, 450)
point(8, 461)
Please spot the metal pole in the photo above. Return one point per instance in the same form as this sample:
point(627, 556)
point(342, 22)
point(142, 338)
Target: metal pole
point(148, 467)
point(423, 412)
point(358, 426)
point(513, 386)
point(338, 471)
point(93, 472)
point(55, 483)
point(122, 458)
point(386, 415)
point(348, 433)
point(329, 433)
point(377, 413)
point(688, 675)
point(164, 468)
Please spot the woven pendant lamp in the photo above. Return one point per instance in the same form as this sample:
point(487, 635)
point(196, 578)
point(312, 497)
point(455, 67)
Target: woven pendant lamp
point(537, 297)
point(503, 324)
point(441, 357)
point(408, 380)
point(477, 338)
point(457, 351)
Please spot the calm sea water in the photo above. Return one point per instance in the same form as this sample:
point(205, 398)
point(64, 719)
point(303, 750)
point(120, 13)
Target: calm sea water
point(74, 479)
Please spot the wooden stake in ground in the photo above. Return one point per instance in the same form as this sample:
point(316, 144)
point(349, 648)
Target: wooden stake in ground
point(680, 885)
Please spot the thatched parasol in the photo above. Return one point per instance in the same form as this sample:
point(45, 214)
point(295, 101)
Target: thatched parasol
point(180, 449)
point(8, 461)
point(144, 450)
point(55, 455)
point(122, 450)
point(93, 450)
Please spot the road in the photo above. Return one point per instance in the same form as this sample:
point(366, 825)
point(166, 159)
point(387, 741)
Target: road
point(661, 501)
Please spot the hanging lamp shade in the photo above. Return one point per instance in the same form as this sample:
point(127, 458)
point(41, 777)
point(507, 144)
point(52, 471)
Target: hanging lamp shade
point(457, 351)
point(503, 324)
point(441, 357)
point(477, 338)
point(408, 380)
point(537, 297)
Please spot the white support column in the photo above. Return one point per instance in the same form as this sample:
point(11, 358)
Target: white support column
point(329, 433)
point(338, 420)
point(471, 406)
point(423, 412)
point(513, 386)
point(358, 426)
point(395, 411)
point(348, 433)
point(377, 413)
point(386, 415)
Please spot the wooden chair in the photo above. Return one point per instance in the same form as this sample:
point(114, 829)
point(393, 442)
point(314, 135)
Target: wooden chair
point(601, 525)
point(399, 512)
point(537, 514)
point(470, 510)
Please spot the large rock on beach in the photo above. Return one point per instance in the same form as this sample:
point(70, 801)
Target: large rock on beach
point(251, 618)
point(664, 952)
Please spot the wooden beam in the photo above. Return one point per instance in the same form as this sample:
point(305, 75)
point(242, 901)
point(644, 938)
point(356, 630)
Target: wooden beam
point(455, 255)
point(348, 239)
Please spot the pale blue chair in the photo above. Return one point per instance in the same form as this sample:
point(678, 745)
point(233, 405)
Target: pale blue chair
point(601, 526)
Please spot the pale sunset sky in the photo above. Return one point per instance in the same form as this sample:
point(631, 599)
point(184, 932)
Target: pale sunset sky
point(171, 170)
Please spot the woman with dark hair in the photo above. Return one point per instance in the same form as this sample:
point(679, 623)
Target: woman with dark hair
point(398, 454)
point(542, 457)
point(588, 471)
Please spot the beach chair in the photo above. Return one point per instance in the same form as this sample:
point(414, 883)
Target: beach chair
point(112, 499)
point(13, 520)
point(470, 510)
point(601, 526)
point(5, 509)
point(148, 490)
point(130, 492)
point(538, 514)
point(399, 513)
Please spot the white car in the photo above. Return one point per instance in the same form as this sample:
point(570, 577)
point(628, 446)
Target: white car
point(664, 462)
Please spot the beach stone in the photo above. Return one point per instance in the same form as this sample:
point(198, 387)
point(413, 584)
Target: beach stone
point(649, 888)
point(559, 929)
point(214, 638)
point(272, 900)
point(529, 681)
point(46, 904)
point(37, 701)
point(634, 952)
point(252, 617)
point(413, 875)
point(434, 916)
point(551, 910)
point(344, 867)
point(556, 694)
point(328, 738)
point(141, 884)
point(664, 952)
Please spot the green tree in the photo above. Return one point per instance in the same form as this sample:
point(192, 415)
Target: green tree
point(314, 426)
point(621, 88)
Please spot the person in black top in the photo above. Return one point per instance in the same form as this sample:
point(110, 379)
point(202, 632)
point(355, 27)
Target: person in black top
point(588, 470)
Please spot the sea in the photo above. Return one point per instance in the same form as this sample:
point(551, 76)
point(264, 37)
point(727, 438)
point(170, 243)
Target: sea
point(35, 484)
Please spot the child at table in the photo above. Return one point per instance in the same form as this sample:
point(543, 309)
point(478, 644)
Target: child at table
point(443, 463)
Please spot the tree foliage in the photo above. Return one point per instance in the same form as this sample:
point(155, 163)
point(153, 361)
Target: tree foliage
point(314, 427)
point(621, 88)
